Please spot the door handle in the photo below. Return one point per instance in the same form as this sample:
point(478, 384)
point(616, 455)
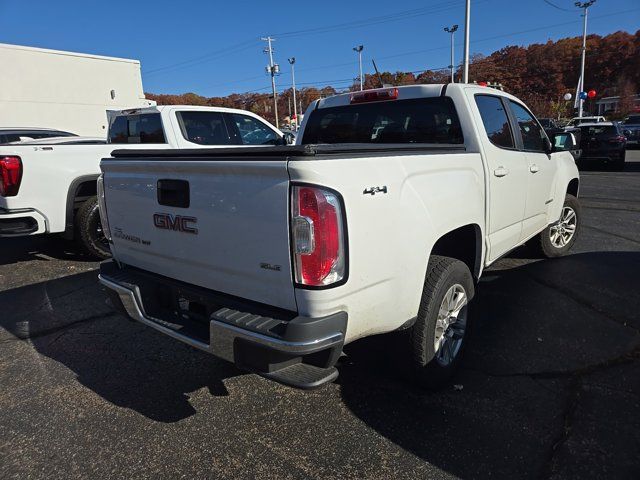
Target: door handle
point(534, 168)
point(500, 172)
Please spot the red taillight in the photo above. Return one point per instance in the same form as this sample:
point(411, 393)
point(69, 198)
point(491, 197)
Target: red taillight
point(10, 176)
point(375, 95)
point(618, 139)
point(317, 236)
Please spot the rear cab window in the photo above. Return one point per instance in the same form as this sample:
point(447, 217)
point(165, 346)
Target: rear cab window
point(599, 132)
point(137, 128)
point(421, 120)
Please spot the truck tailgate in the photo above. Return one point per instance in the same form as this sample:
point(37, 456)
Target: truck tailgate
point(219, 223)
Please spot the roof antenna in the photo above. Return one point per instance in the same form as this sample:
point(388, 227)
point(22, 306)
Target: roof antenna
point(378, 74)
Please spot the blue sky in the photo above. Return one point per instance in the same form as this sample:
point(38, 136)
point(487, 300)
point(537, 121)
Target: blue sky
point(213, 48)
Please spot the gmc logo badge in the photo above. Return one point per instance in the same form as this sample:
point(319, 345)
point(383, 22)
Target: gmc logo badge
point(177, 223)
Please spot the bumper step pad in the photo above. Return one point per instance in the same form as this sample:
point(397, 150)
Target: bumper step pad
point(303, 376)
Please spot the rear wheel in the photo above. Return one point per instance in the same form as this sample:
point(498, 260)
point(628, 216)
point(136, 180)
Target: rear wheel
point(89, 230)
point(558, 238)
point(441, 330)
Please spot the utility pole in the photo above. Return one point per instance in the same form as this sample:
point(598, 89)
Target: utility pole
point(359, 49)
point(272, 69)
point(452, 30)
point(292, 62)
point(585, 6)
point(467, 20)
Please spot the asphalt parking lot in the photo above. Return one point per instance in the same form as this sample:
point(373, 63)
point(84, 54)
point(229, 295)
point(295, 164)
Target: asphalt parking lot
point(550, 386)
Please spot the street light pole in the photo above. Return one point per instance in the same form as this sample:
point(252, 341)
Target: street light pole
point(467, 20)
point(272, 69)
point(585, 6)
point(359, 49)
point(452, 30)
point(292, 62)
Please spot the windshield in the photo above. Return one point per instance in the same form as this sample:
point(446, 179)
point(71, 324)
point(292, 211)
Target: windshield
point(420, 120)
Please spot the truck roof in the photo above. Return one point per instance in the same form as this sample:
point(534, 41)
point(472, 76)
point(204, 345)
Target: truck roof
point(9, 46)
point(413, 91)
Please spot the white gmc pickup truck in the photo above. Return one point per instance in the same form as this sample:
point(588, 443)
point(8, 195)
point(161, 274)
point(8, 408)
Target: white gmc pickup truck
point(381, 218)
point(49, 186)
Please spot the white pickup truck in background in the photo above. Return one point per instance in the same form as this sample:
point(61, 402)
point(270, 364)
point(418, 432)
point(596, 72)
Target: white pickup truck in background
point(381, 218)
point(49, 185)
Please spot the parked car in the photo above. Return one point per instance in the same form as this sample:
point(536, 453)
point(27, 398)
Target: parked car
point(631, 130)
point(71, 140)
point(577, 121)
point(274, 258)
point(49, 185)
point(8, 135)
point(603, 142)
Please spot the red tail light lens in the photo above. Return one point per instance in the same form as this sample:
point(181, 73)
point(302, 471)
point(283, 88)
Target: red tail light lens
point(317, 236)
point(618, 139)
point(10, 176)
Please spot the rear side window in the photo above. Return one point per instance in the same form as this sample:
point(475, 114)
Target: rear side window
point(532, 134)
point(145, 128)
point(495, 121)
point(420, 120)
point(204, 128)
point(632, 120)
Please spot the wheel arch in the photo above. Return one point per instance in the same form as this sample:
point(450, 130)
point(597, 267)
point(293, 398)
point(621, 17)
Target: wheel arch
point(80, 187)
point(573, 187)
point(463, 243)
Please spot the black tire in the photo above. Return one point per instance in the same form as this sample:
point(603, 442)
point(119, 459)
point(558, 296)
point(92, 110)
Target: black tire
point(443, 274)
point(618, 166)
point(88, 230)
point(543, 243)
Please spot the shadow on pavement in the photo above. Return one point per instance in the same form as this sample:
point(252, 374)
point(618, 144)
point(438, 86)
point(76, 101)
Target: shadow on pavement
point(124, 362)
point(600, 166)
point(39, 247)
point(541, 327)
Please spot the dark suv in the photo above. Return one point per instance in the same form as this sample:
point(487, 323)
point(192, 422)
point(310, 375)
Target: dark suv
point(631, 126)
point(602, 142)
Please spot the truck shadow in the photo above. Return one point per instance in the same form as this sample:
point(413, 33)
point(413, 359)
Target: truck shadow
point(128, 364)
point(539, 326)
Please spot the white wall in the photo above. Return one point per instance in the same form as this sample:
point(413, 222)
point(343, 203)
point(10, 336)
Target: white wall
point(65, 90)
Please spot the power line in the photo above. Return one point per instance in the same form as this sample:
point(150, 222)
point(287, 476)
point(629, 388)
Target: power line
point(374, 20)
point(205, 58)
point(416, 52)
point(556, 6)
point(317, 30)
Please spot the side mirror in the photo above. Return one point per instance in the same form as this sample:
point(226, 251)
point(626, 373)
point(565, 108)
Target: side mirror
point(288, 138)
point(563, 141)
point(627, 133)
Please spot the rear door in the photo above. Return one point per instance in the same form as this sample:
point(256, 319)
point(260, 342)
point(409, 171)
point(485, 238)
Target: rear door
point(508, 174)
point(218, 223)
point(541, 170)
